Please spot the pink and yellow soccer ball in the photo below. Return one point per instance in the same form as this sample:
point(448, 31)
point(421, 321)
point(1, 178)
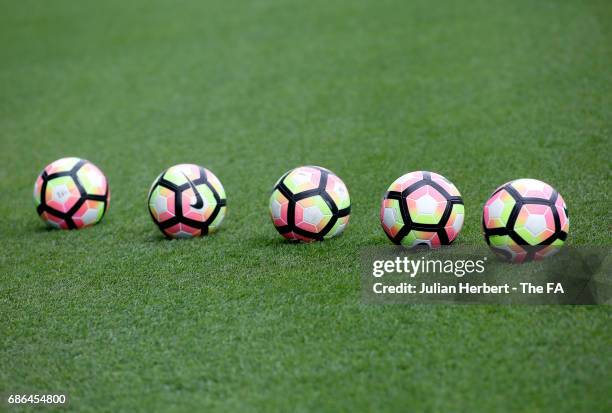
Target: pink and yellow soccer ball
point(422, 209)
point(71, 193)
point(525, 220)
point(310, 203)
point(186, 201)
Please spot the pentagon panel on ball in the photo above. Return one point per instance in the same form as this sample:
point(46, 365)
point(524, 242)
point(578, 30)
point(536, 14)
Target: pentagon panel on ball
point(71, 193)
point(422, 209)
point(310, 203)
point(525, 220)
point(187, 201)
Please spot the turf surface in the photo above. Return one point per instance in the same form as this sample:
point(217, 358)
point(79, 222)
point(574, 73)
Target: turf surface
point(124, 320)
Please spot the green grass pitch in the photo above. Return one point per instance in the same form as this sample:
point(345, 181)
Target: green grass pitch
point(123, 320)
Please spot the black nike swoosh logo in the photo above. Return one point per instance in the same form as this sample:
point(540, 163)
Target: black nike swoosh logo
point(199, 202)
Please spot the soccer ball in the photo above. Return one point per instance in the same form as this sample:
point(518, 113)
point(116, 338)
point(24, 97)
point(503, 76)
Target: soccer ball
point(71, 193)
point(187, 201)
point(310, 203)
point(422, 208)
point(525, 220)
